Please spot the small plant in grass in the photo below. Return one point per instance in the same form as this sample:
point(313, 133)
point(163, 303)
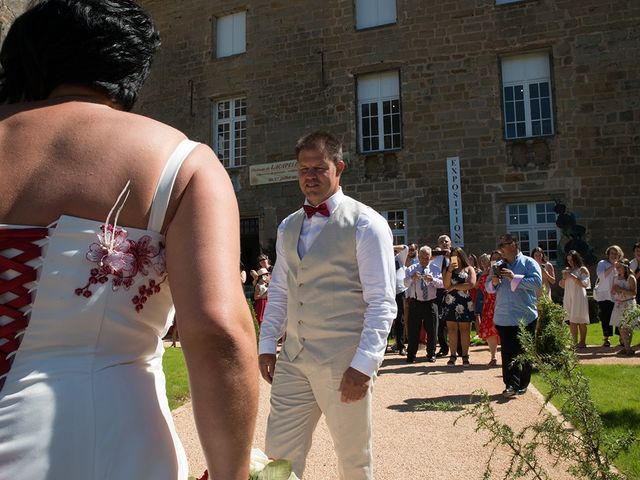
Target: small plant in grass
point(588, 448)
point(438, 407)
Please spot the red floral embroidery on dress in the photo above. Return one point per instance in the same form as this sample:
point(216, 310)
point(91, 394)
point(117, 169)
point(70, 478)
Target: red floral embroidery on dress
point(121, 259)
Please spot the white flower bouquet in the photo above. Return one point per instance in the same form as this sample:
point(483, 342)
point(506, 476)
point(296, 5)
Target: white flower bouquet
point(262, 467)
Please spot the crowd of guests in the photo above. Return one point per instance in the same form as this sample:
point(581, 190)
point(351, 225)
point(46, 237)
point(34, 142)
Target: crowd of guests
point(444, 289)
point(443, 293)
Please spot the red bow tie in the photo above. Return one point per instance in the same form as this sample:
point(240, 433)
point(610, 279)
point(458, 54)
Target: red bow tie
point(322, 209)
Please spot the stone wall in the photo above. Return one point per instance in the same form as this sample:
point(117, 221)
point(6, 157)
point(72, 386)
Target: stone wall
point(9, 10)
point(298, 74)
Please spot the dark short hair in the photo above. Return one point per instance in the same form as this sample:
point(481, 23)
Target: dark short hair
point(508, 238)
point(103, 44)
point(322, 141)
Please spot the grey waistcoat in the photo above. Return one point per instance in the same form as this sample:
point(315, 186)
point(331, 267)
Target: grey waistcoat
point(325, 310)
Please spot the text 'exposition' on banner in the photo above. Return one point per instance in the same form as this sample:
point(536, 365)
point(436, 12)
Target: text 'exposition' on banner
point(276, 172)
point(455, 201)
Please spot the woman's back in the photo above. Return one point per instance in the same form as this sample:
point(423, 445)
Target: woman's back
point(68, 156)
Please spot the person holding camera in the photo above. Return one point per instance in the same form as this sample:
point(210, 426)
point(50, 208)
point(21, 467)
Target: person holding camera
point(487, 330)
point(459, 278)
point(515, 281)
point(422, 281)
point(575, 281)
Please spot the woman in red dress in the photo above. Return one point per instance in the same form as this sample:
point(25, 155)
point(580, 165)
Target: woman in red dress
point(260, 293)
point(488, 330)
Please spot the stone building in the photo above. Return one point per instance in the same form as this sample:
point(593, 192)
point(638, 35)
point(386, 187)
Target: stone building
point(466, 117)
point(9, 10)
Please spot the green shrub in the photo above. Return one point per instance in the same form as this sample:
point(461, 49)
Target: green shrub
point(590, 453)
point(547, 342)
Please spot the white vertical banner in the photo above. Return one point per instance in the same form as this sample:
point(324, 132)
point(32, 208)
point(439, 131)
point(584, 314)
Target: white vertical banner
point(455, 201)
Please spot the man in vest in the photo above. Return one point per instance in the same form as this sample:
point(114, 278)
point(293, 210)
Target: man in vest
point(333, 294)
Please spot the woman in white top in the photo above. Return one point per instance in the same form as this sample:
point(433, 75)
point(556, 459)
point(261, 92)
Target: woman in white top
point(548, 273)
point(602, 292)
point(575, 281)
point(623, 293)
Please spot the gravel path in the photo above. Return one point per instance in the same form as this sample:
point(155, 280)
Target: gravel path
point(410, 443)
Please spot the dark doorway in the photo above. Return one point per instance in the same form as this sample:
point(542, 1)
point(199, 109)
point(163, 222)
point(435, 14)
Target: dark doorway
point(249, 247)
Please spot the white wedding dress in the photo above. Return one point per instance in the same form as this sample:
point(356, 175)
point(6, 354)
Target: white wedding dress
point(82, 315)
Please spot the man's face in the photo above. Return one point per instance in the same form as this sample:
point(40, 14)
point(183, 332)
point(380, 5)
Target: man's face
point(508, 248)
point(413, 251)
point(318, 176)
point(445, 243)
point(424, 257)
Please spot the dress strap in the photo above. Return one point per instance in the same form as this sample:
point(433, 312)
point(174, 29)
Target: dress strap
point(165, 184)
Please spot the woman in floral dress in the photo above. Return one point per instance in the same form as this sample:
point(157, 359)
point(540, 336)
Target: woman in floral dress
point(488, 330)
point(459, 278)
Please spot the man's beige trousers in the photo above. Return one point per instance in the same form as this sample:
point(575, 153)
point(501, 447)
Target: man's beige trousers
point(302, 390)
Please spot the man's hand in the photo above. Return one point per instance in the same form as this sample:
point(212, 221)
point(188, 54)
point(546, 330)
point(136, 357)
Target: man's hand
point(354, 385)
point(267, 364)
point(505, 272)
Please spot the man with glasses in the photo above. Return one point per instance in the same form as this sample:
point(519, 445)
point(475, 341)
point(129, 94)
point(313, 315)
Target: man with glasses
point(516, 285)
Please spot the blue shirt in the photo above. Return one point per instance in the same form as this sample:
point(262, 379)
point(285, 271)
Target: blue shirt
point(516, 299)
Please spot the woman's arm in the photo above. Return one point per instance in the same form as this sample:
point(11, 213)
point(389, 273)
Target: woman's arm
point(471, 280)
point(549, 273)
point(216, 330)
point(446, 280)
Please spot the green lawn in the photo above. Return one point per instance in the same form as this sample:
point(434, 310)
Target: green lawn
point(616, 392)
point(175, 371)
point(595, 338)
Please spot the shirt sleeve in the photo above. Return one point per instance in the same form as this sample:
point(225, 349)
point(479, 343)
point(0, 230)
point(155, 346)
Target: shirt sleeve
point(532, 278)
point(402, 255)
point(377, 277)
point(274, 322)
point(407, 275)
point(436, 273)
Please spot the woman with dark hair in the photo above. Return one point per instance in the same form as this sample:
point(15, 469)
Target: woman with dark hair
point(459, 279)
point(105, 208)
point(602, 291)
point(546, 268)
point(575, 281)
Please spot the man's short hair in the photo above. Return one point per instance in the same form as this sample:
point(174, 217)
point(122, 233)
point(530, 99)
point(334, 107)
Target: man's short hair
point(507, 238)
point(322, 141)
point(103, 44)
point(442, 238)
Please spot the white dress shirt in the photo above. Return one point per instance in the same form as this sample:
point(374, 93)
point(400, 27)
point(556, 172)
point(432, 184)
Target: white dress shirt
point(377, 276)
point(400, 259)
point(414, 286)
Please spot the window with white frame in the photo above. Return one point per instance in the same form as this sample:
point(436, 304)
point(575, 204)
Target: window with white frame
point(230, 131)
point(397, 224)
point(231, 35)
point(379, 117)
point(371, 13)
point(534, 224)
point(526, 95)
